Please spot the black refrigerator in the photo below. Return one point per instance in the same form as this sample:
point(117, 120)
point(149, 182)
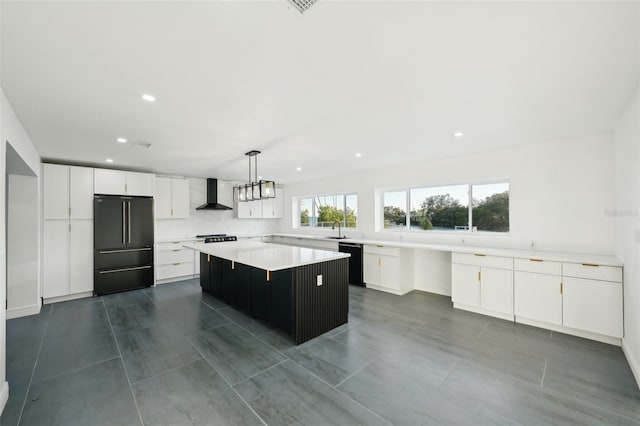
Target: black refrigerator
point(123, 243)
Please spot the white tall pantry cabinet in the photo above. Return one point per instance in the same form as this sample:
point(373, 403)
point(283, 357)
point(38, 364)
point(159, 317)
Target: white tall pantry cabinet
point(67, 231)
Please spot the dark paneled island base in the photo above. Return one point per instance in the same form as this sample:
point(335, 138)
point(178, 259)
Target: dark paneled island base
point(294, 300)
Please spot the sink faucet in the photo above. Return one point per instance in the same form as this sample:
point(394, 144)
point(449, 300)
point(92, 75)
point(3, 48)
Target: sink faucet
point(339, 227)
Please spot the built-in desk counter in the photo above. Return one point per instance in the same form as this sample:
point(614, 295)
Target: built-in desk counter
point(302, 291)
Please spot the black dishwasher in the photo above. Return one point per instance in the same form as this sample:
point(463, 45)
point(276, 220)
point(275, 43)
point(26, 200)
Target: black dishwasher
point(355, 262)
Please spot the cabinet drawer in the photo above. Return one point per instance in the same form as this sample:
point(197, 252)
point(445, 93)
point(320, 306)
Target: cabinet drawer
point(482, 260)
point(538, 266)
point(592, 272)
point(166, 257)
point(173, 245)
point(384, 250)
point(175, 270)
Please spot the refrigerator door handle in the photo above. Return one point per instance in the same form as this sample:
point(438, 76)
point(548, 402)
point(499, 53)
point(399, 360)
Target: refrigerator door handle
point(123, 223)
point(129, 202)
point(112, 271)
point(123, 251)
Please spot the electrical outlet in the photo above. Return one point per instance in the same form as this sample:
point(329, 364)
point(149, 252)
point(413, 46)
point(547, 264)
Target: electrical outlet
point(319, 280)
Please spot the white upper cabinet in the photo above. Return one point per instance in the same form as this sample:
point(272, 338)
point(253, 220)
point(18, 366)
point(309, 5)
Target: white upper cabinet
point(172, 198)
point(67, 192)
point(56, 191)
point(273, 208)
point(118, 182)
point(81, 192)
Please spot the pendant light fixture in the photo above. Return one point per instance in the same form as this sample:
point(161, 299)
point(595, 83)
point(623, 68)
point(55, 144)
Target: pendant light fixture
point(255, 189)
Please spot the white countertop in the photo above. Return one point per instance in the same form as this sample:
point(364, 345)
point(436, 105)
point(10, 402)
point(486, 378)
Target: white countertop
point(270, 257)
point(603, 260)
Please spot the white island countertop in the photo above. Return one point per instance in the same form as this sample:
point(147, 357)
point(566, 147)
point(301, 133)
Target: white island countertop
point(270, 257)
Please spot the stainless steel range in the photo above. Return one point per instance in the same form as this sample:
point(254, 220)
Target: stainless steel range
point(217, 238)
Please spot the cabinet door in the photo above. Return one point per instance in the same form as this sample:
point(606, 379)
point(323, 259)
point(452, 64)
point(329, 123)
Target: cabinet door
point(496, 290)
point(205, 271)
point(255, 209)
point(56, 191)
point(538, 297)
point(592, 305)
point(390, 274)
point(55, 258)
point(244, 210)
point(109, 182)
point(140, 184)
point(81, 192)
point(465, 284)
point(180, 198)
point(80, 256)
point(278, 204)
point(162, 198)
point(372, 269)
point(268, 208)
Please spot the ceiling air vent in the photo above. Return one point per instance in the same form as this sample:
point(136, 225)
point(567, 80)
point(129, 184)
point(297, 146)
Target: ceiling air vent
point(145, 145)
point(302, 5)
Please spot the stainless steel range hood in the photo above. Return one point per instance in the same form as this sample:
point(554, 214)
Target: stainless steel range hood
point(212, 197)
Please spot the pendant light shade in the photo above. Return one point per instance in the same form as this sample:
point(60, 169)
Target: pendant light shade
point(255, 189)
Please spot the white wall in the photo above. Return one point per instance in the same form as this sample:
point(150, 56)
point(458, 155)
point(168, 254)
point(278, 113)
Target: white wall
point(560, 193)
point(211, 221)
point(11, 131)
point(627, 218)
point(23, 289)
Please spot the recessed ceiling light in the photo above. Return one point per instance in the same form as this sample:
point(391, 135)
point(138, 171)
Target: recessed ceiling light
point(358, 154)
point(121, 140)
point(458, 134)
point(149, 98)
point(299, 169)
point(259, 177)
point(109, 160)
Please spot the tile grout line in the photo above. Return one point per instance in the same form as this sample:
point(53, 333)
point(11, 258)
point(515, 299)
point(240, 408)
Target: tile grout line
point(260, 372)
point(355, 372)
point(113, 334)
point(33, 372)
point(544, 371)
point(228, 384)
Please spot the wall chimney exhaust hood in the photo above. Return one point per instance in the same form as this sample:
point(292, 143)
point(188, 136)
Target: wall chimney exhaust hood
point(212, 197)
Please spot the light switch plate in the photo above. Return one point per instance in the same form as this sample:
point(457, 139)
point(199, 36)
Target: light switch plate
point(319, 280)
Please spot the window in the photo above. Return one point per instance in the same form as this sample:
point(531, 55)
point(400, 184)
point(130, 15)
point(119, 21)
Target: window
point(475, 207)
point(323, 210)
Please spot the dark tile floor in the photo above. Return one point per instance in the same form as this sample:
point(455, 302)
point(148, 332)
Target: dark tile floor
point(172, 355)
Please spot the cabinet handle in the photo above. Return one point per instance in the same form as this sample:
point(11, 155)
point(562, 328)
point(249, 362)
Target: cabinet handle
point(208, 258)
point(125, 188)
point(233, 264)
point(561, 288)
point(478, 276)
point(69, 227)
point(129, 221)
point(590, 264)
point(69, 211)
point(379, 262)
point(479, 254)
point(536, 260)
point(176, 249)
point(176, 264)
point(124, 229)
point(268, 275)
point(171, 212)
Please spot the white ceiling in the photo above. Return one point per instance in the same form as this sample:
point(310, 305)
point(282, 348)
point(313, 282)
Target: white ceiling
point(390, 79)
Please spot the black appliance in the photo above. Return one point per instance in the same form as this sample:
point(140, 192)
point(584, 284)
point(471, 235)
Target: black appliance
point(355, 262)
point(217, 238)
point(212, 197)
point(123, 243)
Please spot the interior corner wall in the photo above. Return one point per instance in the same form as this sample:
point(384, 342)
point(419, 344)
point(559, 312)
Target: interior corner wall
point(560, 195)
point(627, 218)
point(11, 131)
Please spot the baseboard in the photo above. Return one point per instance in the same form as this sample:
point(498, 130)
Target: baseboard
point(507, 317)
point(68, 297)
point(435, 290)
point(633, 361)
point(4, 395)
point(572, 331)
point(389, 290)
point(23, 311)
point(176, 279)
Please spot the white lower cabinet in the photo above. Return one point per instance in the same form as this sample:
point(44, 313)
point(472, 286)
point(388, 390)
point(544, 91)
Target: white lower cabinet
point(388, 269)
point(538, 297)
point(174, 262)
point(592, 305)
point(67, 258)
point(482, 283)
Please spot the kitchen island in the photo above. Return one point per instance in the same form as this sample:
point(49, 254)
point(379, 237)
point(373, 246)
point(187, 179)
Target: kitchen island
point(303, 292)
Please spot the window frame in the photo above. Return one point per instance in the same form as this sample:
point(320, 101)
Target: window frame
point(470, 226)
point(313, 212)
